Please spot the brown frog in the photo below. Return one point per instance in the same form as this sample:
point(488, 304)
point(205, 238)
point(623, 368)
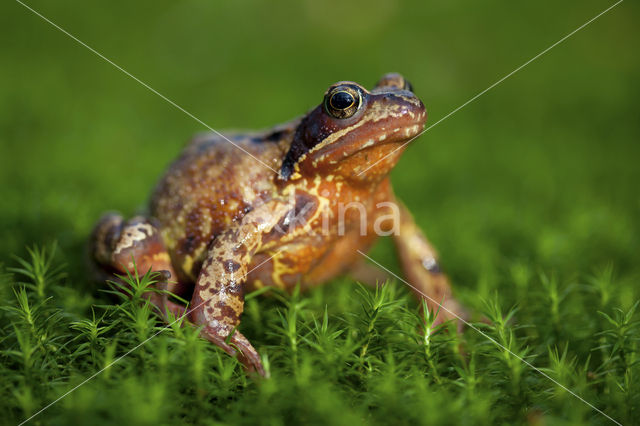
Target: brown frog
point(291, 205)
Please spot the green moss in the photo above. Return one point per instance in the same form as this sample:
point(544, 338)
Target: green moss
point(367, 358)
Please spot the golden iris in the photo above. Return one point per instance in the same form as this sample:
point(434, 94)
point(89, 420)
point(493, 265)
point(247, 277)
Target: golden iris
point(342, 102)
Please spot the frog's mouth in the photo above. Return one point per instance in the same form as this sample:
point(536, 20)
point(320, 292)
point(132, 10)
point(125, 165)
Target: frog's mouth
point(388, 141)
point(372, 159)
point(395, 136)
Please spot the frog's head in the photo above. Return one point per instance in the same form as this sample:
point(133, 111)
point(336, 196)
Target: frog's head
point(356, 134)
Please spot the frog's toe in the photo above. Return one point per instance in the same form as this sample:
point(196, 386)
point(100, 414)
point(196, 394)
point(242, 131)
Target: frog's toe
point(247, 355)
point(237, 345)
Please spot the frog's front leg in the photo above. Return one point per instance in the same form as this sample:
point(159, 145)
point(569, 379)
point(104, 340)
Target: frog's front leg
point(218, 299)
point(420, 264)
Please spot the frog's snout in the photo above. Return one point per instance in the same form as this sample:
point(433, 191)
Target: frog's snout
point(402, 114)
point(407, 110)
point(419, 112)
point(395, 94)
point(414, 120)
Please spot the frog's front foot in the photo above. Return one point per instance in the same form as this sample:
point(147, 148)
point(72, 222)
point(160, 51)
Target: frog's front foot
point(235, 344)
point(219, 312)
point(247, 355)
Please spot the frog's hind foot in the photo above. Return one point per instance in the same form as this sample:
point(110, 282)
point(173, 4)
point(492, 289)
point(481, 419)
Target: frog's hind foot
point(127, 246)
point(104, 238)
point(133, 246)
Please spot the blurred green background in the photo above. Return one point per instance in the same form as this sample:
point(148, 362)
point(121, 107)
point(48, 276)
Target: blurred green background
point(542, 171)
point(543, 166)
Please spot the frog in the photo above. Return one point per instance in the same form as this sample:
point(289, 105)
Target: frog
point(242, 211)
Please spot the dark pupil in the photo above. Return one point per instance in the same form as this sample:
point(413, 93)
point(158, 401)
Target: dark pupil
point(342, 100)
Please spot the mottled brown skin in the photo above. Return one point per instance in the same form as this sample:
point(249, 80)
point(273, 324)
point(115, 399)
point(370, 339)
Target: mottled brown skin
point(227, 224)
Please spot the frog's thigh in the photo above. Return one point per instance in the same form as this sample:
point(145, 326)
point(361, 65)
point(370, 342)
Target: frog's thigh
point(419, 262)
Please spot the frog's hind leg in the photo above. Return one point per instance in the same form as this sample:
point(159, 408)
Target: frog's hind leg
point(134, 245)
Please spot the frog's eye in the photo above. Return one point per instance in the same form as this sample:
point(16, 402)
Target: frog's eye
point(342, 102)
